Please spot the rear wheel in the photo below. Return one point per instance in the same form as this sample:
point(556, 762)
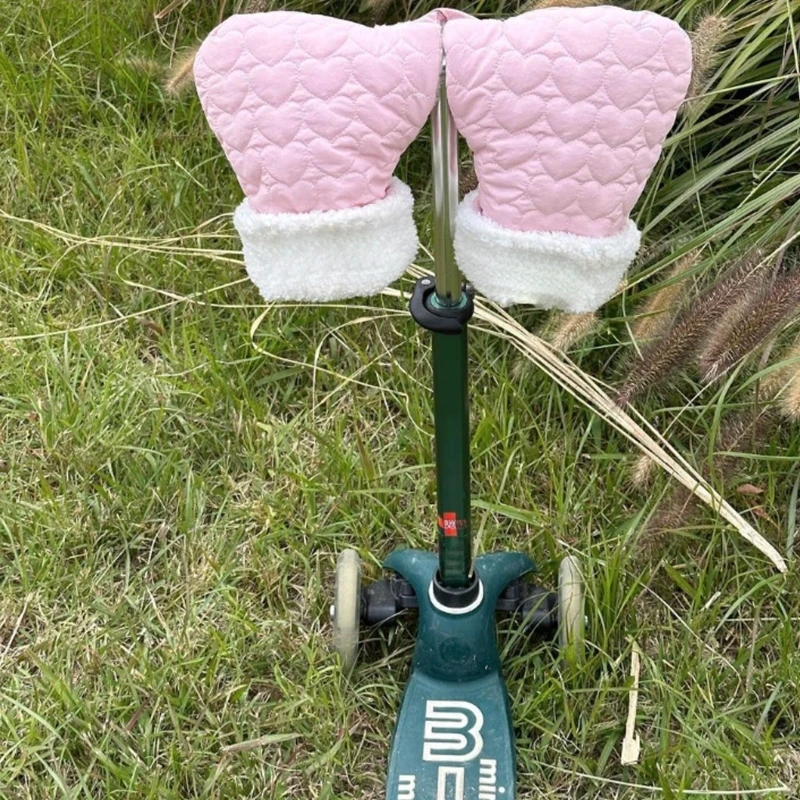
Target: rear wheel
point(346, 608)
point(571, 617)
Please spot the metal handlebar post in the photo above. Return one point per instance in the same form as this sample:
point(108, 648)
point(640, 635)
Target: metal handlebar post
point(450, 391)
point(445, 198)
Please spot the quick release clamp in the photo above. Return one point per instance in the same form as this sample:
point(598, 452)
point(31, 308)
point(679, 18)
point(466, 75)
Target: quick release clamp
point(433, 315)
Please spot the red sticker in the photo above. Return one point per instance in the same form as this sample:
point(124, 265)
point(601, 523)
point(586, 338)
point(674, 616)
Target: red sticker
point(449, 524)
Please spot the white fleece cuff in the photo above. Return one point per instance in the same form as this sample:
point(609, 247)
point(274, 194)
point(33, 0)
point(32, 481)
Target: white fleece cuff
point(548, 269)
point(329, 255)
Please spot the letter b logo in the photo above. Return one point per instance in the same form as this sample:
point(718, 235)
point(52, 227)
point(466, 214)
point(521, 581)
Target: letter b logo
point(452, 731)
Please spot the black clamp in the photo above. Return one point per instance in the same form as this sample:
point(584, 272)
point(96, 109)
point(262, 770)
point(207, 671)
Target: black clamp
point(440, 319)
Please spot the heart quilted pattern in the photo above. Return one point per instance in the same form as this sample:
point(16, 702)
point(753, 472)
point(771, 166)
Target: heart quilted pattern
point(314, 112)
point(566, 111)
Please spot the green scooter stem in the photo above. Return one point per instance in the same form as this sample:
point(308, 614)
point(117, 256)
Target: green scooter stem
point(451, 420)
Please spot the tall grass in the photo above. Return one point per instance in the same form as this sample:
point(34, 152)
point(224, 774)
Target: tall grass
point(176, 480)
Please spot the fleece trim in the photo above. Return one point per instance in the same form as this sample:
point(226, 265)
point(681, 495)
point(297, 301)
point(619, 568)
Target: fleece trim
point(320, 256)
point(548, 269)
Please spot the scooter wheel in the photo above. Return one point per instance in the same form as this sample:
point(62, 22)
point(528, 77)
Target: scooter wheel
point(346, 608)
point(571, 611)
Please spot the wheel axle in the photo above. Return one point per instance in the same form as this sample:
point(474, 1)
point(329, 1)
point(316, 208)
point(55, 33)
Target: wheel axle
point(383, 600)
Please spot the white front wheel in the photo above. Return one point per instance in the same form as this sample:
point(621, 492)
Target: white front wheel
point(571, 617)
point(346, 608)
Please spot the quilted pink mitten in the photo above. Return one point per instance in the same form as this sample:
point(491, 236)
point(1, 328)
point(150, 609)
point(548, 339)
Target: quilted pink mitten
point(313, 114)
point(565, 111)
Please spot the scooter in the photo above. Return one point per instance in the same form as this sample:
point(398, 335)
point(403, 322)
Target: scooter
point(454, 737)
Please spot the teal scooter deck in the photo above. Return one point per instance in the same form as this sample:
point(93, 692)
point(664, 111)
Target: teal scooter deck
point(454, 738)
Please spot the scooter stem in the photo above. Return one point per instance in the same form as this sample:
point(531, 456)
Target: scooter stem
point(445, 197)
point(450, 390)
point(454, 738)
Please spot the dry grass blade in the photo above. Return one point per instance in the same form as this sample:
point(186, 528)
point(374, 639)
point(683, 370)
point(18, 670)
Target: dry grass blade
point(536, 4)
point(632, 745)
point(345, 380)
point(144, 244)
point(589, 391)
point(641, 788)
point(257, 744)
point(169, 8)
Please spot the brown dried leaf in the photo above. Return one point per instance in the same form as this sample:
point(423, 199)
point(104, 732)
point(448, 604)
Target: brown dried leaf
point(748, 488)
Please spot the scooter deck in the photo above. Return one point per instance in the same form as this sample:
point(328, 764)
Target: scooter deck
point(453, 741)
point(454, 738)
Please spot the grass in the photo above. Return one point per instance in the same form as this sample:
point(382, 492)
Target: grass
point(175, 482)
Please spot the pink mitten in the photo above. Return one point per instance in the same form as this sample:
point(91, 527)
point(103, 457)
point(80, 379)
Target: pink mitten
point(313, 114)
point(566, 111)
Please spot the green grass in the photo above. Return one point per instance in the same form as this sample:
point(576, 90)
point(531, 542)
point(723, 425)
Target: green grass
point(174, 490)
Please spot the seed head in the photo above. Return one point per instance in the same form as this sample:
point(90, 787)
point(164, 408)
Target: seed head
point(660, 359)
point(180, 75)
point(750, 325)
point(567, 330)
point(659, 311)
point(708, 39)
